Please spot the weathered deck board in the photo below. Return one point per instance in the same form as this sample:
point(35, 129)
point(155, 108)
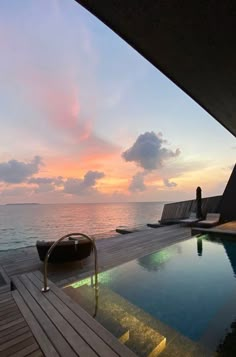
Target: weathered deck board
point(16, 338)
point(46, 324)
point(82, 329)
point(6, 278)
point(41, 337)
point(64, 330)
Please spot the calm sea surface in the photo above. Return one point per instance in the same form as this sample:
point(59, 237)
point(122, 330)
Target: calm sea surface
point(22, 225)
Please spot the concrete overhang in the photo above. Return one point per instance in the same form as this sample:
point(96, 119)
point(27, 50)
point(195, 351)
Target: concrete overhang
point(192, 42)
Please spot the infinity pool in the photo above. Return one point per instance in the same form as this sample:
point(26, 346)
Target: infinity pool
point(183, 295)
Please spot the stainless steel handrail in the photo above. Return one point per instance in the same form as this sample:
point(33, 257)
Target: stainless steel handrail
point(46, 287)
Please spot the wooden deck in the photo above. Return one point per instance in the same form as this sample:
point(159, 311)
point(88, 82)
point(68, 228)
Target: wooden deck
point(16, 338)
point(111, 252)
point(228, 229)
point(51, 324)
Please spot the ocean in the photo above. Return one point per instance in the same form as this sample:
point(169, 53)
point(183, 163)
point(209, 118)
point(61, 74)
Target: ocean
point(22, 225)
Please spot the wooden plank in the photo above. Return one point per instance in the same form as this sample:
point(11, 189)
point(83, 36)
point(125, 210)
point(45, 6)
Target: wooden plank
point(82, 329)
point(5, 296)
point(6, 345)
point(5, 301)
point(12, 323)
point(31, 350)
point(106, 336)
point(37, 353)
point(22, 268)
point(9, 319)
point(9, 312)
point(14, 334)
point(17, 347)
point(8, 264)
point(52, 332)
point(70, 335)
point(4, 275)
point(36, 329)
point(4, 289)
point(16, 327)
point(7, 305)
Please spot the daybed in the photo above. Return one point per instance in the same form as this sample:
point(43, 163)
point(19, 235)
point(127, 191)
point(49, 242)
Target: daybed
point(65, 251)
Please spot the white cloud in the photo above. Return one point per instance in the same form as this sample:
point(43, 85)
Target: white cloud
point(15, 171)
point(41, 180)
point(137, 183)
point(169, 183)
point(83, 186)
point(58, 181)
point(148, 151)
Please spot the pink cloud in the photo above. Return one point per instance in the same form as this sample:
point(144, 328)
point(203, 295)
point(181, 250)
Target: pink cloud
point(53, 91)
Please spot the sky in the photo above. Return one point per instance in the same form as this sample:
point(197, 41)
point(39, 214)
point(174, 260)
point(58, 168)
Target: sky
point(85, 118)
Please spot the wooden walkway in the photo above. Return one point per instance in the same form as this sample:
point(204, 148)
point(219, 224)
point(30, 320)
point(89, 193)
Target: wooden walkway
point(16, 338)
point(62, 327)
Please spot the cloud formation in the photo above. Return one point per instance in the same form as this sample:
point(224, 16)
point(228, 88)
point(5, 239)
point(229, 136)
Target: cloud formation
point(15, 171)
point(44, 187)
point(169, 183)
point(148, 151)
point(83, 186)
point(58, 181)
point(137, 183)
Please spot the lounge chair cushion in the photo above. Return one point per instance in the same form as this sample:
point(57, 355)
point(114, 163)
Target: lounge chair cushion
point(211, 220)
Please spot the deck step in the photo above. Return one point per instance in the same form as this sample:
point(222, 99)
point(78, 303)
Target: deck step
point(124, 338)
point(114, 313)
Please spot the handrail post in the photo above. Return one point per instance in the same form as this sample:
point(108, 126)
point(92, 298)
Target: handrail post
point(45, 282)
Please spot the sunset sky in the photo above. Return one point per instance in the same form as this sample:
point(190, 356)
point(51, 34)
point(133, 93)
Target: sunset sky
point(85, 118)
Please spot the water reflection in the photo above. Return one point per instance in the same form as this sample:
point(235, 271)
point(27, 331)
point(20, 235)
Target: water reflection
point(156, 261)
point(230, 249)
point(199, 246)
point(227, 346)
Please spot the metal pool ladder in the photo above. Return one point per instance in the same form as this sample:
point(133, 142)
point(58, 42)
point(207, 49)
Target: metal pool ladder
point(74, 236)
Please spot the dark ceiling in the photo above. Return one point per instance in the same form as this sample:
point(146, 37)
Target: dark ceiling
point(191, 42)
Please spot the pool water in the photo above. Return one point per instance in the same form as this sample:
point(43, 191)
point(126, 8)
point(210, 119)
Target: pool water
point(185, 292)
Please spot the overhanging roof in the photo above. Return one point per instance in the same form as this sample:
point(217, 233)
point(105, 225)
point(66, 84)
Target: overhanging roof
point(191, 42)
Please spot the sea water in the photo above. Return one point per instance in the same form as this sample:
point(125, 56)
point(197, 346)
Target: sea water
point(23, 225)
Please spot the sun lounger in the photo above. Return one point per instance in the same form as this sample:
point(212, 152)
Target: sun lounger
point(192, 219)
point(212, 219)
point(154, 225)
